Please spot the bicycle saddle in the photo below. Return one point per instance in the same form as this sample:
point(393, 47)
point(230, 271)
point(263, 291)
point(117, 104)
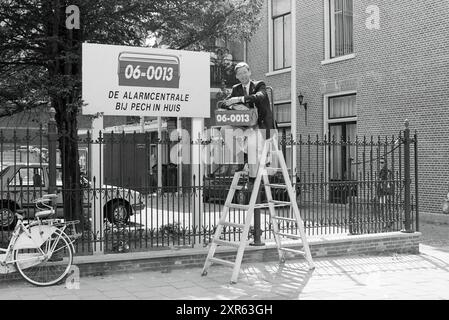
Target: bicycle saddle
point(44, 214)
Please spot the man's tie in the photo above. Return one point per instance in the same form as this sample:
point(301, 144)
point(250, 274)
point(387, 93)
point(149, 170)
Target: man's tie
point(246, 89)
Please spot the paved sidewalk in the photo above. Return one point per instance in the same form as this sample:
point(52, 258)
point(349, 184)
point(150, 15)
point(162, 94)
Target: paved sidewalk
point(393, 276)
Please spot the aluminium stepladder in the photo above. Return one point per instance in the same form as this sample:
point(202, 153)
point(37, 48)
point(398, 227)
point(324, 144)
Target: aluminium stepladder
point(262, 173)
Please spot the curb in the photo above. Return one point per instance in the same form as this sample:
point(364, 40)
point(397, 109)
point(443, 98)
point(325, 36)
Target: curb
point(176, 259)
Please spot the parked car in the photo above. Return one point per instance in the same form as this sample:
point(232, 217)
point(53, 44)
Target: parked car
point(216, 185)
point(22, 183)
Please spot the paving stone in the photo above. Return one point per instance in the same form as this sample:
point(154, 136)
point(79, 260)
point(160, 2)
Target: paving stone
point(66, 297)
point(147, 295)
point(388, 277)
point(117, 294)
point(138, 288)
point(95, 297)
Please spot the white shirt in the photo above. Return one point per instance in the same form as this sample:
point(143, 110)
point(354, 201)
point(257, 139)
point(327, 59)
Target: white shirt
point(246, 91)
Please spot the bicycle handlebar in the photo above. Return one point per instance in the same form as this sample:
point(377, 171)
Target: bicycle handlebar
point(41, 200)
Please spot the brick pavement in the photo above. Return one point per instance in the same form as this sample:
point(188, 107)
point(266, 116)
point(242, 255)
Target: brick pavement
point(366, 277)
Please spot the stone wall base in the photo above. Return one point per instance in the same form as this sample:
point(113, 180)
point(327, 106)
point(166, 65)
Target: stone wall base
point(167, 260)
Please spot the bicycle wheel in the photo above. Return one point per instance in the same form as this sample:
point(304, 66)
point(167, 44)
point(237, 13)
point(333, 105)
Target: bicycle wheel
point(56, 257)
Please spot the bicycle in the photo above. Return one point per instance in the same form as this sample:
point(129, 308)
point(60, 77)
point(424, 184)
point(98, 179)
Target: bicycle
point(40, 250)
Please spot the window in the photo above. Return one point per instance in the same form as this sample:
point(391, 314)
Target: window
point(281, 17)
point(28, 177)
point(282, 113)
point(340, 28)
point(342, 107)
point(342, 121)
point(285, 137)
point(58, 177)
point(342, 129)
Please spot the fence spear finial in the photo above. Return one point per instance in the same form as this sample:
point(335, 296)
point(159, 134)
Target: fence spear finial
point(407, 123)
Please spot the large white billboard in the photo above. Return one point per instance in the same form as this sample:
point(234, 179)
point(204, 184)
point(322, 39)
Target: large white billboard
point(136, 81)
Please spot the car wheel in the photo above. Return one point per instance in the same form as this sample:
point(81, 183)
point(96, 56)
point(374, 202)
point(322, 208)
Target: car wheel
point(7, 218)
point(118, 212)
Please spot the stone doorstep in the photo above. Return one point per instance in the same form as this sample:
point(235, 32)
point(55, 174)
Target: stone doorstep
point(434, 218)
point(321, 246)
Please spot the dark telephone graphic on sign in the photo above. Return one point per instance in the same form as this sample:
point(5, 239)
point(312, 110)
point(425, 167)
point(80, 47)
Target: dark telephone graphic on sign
point(148, 70)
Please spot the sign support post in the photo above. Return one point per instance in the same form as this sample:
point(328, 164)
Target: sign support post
point(179, 131)
point(97, 162)
point(159, 155)
point(197, 172)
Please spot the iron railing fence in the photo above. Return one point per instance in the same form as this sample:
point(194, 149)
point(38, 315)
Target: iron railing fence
point(342, 186)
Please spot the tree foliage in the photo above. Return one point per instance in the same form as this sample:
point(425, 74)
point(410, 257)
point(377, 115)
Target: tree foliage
point(40, 58)
point(34, 38)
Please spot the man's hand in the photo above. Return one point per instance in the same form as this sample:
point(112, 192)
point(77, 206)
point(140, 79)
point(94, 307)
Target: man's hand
point(232, 101)
point(240, 107)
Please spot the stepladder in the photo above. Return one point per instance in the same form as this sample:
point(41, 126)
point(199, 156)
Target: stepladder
point(272, 154)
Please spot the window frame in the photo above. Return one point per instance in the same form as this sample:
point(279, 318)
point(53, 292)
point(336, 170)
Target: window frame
point(29, 170)
point(329, 37)
point(284, 126)
point(276, 108)
point(328, 122)
point(331, 120)
point(272, 47)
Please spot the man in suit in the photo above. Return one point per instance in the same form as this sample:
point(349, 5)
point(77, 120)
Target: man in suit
point(251, 94)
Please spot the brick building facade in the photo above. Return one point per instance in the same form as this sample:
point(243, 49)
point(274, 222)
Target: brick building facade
point(389, 63)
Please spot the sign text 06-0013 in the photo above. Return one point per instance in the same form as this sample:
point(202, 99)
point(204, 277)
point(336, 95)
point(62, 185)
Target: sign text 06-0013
point(236, 117)
point(148, 70)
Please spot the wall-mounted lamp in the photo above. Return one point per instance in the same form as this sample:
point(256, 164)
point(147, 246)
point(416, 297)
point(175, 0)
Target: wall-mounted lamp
point(301, 99)
point(301, 103)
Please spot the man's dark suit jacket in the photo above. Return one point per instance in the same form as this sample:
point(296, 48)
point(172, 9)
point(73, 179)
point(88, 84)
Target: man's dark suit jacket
point(258, 98)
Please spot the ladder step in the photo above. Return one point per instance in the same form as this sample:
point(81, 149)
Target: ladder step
point(238, 206)
point(266, 205)
point(273, 169)
point(235, 225)
point(221, 261)
point(281, 203)
point(236, 187)
point(226, 243)
point(292, 251)
point(289, 235)
point(284, 219)
point(278, 186)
